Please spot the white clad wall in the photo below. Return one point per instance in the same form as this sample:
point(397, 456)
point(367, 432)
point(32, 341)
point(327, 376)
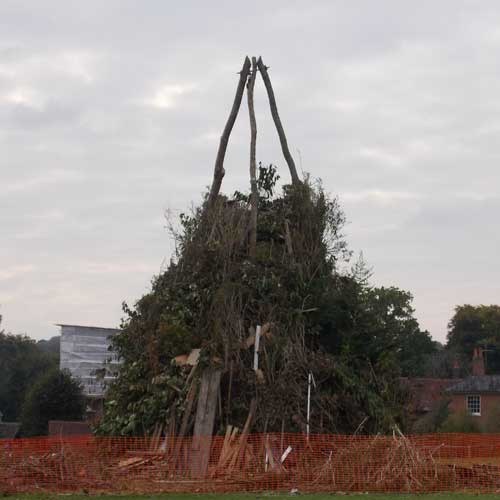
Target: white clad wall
point(84, 350)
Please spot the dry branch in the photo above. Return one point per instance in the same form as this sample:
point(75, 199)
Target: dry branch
point(254, 196)
point(277, 121)
point(221, 152)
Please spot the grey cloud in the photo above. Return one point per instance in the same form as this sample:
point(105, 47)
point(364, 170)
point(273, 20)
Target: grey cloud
point(110, 114)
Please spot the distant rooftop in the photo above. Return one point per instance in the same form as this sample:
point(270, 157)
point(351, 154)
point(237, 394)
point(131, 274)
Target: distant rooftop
point(88, 326)
point(480, 384)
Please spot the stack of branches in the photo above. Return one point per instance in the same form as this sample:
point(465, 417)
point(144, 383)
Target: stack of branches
point(262, 258)
point(383, 464)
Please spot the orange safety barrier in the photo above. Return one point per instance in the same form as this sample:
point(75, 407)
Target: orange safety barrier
point(258, 462)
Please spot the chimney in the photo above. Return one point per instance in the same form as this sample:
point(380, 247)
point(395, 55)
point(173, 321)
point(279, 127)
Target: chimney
point(456, 368)
point(478, 362)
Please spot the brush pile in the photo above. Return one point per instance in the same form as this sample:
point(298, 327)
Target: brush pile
point(253, 302)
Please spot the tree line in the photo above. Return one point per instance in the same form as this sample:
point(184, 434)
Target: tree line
point(32, 388)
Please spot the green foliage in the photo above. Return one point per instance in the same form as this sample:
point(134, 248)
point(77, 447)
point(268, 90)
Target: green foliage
point(473, 326)
point(51, 346)
point(460, 422)
point(353, 337)
point(376, 323)
point(492, 423)
point(463, 422)
point(21, 364)
point(434, 420)
point(55, 396)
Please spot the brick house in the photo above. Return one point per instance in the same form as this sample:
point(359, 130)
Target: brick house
point(477, 395)
point(425, 393)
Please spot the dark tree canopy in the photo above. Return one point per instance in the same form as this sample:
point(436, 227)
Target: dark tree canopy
point(55, 396)
point(21, 364)
point(51, 346)
point(473, 326)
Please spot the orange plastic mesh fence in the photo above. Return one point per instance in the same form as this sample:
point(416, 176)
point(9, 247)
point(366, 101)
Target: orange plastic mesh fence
point(427, 463)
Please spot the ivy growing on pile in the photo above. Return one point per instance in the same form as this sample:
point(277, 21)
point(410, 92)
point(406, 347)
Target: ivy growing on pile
point(317, 319)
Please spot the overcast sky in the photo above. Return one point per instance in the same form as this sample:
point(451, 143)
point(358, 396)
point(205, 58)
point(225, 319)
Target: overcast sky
point(110, 114)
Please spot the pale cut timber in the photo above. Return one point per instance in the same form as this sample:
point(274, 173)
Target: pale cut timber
point(190, 359)
point(193, 357)
point(181, 360)
point(256, 349)
point(265, 332)
point(224, 139)
point(277, 121)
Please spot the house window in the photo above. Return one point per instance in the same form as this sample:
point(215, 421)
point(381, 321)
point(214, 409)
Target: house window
point(473, 405)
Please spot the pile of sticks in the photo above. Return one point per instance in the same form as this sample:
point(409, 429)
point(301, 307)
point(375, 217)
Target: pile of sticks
point(381, 464)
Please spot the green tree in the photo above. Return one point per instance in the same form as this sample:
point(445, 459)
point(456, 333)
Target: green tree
point(434, 420)
point(473, 326)
point(460, 422)
point(51, 346)
point(394, 324)
point(21, 364)
point(55, 396)
point(375, 323)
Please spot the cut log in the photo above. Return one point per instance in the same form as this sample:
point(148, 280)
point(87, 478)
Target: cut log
point(204, 422)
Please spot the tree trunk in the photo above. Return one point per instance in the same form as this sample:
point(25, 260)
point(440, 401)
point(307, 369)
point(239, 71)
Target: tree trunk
point(219, 160)
point(277, 121)
point(254, 196)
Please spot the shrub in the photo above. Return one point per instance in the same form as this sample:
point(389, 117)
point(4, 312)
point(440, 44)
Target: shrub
point(56, 396)
point(460, 422)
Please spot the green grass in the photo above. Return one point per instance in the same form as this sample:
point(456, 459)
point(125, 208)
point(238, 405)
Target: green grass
point(257, 496)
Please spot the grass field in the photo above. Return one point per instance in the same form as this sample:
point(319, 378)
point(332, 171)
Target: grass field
point(259, 496)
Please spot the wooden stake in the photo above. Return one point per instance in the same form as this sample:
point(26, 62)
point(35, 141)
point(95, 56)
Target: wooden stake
point(244, 433)
point(185, 420)
point(221, 152)
point(229, 388)
point(256, 349)
point(277, 121)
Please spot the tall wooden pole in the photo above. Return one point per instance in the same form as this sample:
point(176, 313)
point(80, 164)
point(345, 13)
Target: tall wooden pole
point(221, 152)
point(254, 196)
point(277, 121)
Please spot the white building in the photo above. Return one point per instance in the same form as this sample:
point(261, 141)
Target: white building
point(85, 352)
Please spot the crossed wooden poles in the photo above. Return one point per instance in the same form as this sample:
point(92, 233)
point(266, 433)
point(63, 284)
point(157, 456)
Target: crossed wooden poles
point(248, 75)
point(207, 399)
